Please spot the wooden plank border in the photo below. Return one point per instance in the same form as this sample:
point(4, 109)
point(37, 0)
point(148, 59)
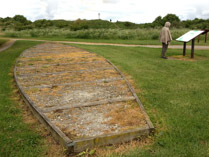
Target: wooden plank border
point(81, 144)
point(89, 104)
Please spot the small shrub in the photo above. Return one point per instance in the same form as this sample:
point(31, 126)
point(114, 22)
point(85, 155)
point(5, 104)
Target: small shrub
point(154, 37)
point(12, 34)
point(33, 34)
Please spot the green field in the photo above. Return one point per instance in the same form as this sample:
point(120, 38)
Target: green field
point(173, 92)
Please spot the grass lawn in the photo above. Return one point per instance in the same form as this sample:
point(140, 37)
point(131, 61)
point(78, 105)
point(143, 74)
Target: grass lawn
point(175, 94)
point(16, 138)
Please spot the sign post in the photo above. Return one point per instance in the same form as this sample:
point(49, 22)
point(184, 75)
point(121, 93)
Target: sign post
point(184, 49)
point(192, 49)
point(191, 35)
point(205, 32)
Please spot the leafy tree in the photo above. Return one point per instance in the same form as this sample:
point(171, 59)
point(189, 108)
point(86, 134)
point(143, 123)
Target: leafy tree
point(43, 23)
point(60, 23)
point(20, 19)
point(7, 19)
point(79, 24)
point(158, 21)
point(187, 23)
point(171, 18)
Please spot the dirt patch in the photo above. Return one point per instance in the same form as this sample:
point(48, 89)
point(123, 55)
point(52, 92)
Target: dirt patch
point(128, 115)
point(187, 58)
point(7, 45)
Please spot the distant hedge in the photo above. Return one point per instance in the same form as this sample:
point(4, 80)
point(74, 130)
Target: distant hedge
point(19, 23)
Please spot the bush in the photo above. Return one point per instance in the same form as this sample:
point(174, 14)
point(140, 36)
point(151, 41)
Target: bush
point(12, 34)
point(154, 37)
point(33, 34)
point(79, 25)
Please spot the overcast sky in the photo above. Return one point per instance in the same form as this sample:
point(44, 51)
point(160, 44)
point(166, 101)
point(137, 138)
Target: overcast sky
point(138, 11)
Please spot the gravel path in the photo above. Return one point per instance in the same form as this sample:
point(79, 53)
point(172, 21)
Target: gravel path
point(198, 47)
point(7, 45)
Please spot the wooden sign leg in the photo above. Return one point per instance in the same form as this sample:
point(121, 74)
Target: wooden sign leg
point(192, 50)
point(184, 49)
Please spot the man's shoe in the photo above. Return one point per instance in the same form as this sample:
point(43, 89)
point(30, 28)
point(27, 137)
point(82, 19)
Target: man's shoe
point(164, 57)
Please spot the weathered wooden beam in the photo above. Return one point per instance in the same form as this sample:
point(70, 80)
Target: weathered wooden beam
point(76, 83)
point(53, 53)
point(60, 64)
point(88, 104)
point(52, 59)
point(125, 136)
point(72, 71)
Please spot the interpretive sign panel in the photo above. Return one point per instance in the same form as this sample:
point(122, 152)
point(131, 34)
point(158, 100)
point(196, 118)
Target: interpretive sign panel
point(189, 35)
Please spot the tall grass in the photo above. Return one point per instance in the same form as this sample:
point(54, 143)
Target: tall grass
point(125, 34)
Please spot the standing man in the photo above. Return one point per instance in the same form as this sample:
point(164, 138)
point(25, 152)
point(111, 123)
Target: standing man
point(165, 38)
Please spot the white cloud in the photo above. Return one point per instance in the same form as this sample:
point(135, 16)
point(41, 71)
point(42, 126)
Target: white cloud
point(122, 10)
point(110, 1)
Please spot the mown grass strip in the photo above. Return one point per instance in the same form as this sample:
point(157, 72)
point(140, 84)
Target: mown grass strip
point(16, 138)
point(174, 94)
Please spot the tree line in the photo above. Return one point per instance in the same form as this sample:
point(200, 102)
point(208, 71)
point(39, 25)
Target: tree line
point(19, 22)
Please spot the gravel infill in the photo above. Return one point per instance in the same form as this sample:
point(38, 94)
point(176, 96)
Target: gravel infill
point(80, 92)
